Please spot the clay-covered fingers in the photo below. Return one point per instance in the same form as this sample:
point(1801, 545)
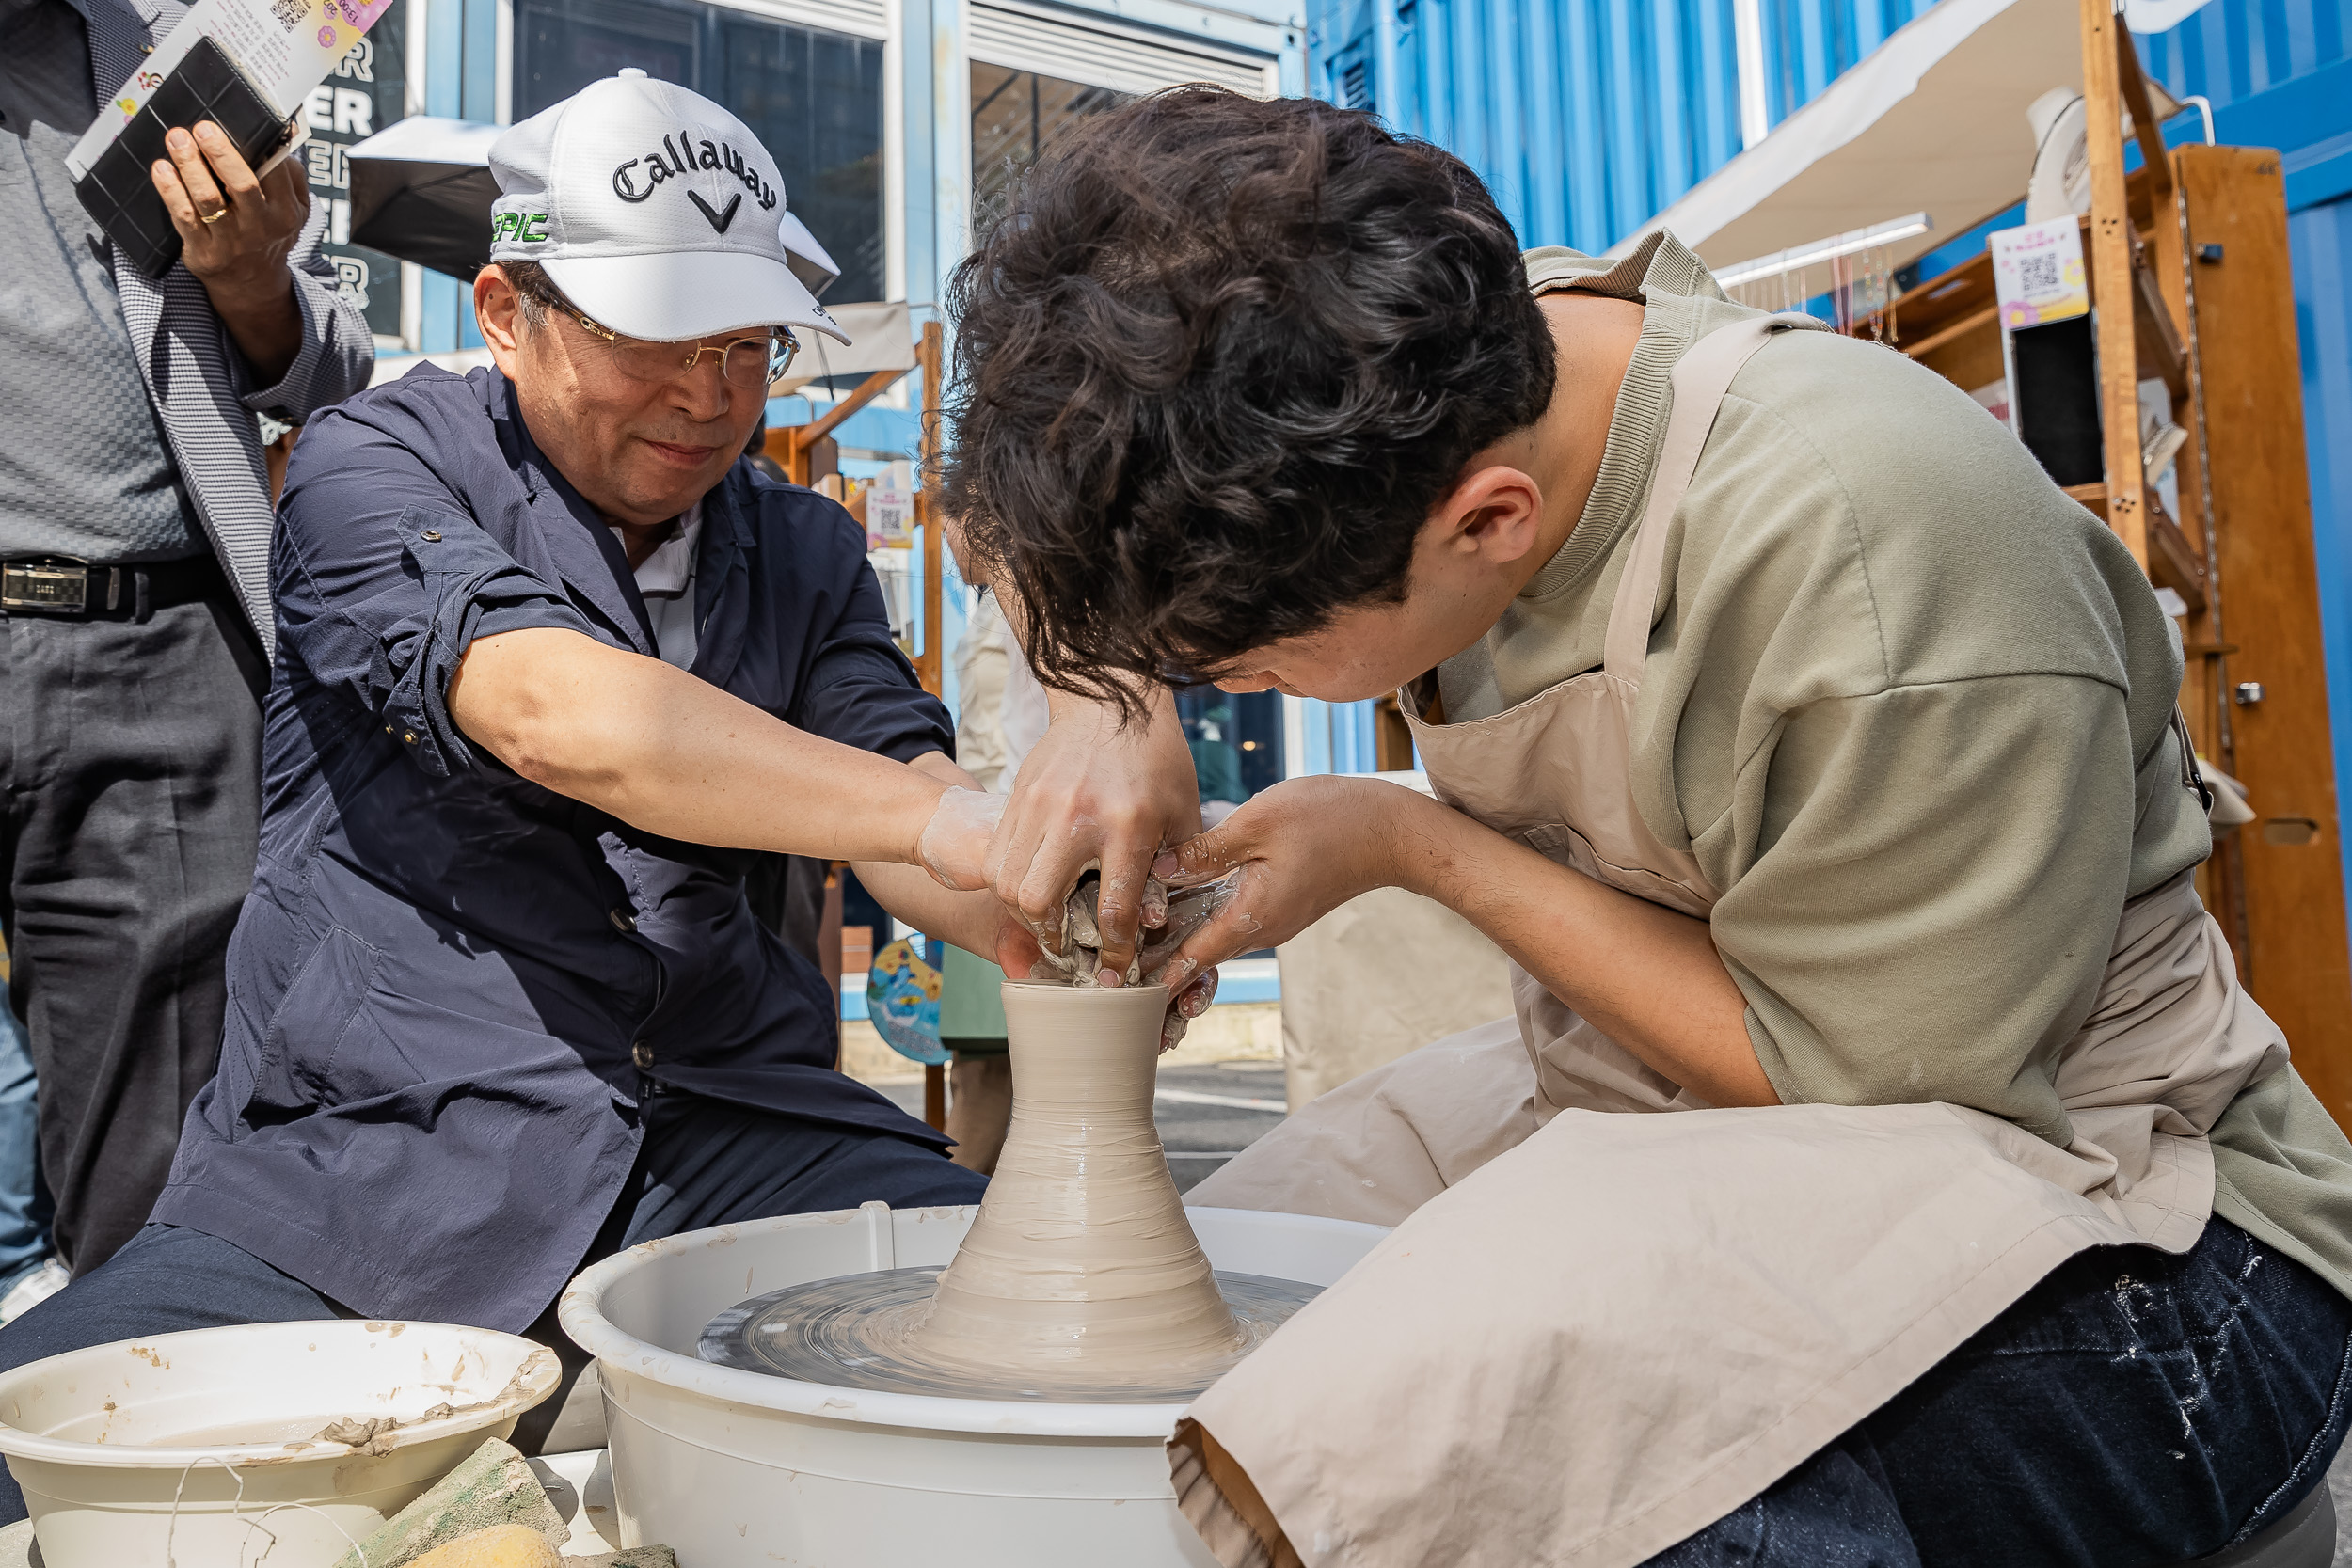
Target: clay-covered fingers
point(1013, 869)
point(1185, 1006)
point(1252, 911)
point(1186, 910)
point(1124, 908)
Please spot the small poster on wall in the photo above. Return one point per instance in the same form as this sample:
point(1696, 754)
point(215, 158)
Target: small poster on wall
point(2037, 272)
point(890, 510)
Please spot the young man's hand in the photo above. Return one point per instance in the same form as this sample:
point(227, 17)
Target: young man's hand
point(1292, 855)
point(1095, 792)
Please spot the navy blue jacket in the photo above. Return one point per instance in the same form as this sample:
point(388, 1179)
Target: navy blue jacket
point(448, 981)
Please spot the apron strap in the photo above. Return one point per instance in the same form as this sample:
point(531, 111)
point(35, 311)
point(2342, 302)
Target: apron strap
point(1701, 377)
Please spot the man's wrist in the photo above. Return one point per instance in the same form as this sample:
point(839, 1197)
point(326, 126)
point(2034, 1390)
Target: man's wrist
point(1416, 844)
point(925, 792)
point(264, 318)
point(238, 297)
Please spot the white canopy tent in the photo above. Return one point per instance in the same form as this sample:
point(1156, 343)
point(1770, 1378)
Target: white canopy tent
point(1932, 122)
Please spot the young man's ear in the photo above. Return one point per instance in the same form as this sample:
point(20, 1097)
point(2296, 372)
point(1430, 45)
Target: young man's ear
point(1495, 513)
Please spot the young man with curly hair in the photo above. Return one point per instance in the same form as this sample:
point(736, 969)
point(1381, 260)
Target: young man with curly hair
point(1884, 1165)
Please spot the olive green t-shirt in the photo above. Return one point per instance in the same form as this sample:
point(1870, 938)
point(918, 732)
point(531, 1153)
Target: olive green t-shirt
point(1910, 707)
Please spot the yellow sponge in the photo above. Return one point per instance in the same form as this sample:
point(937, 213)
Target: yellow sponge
point(499, 1546)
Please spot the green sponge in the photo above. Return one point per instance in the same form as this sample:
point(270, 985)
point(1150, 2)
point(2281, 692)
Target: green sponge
point(494, 1485)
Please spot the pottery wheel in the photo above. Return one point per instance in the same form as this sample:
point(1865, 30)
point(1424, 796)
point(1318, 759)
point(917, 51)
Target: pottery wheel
point(857, 1331)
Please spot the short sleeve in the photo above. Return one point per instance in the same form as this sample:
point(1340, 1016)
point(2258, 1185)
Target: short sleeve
point(1930, 914)
point(384, 581)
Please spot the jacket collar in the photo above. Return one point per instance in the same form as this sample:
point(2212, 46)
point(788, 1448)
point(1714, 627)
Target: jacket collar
point(585, 554)
point(120, 34)
point(722, 584)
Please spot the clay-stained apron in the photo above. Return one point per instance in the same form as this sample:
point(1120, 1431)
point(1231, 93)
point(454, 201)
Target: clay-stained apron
point(1609, 1336)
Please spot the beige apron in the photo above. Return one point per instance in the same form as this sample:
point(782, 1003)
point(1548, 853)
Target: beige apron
point(1594, 1334)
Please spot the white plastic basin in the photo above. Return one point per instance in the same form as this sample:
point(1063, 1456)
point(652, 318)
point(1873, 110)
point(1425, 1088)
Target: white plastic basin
point(101, 1440)
point(739, 1470)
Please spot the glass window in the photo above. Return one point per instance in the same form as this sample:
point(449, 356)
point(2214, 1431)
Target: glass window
point(1236, 740)
point(360, 96)
point(813, 98)
point(1016, 115)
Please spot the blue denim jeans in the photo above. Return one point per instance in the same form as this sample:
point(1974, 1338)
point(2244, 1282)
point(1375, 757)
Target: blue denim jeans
point(2134, 1410)
point(24, 1202)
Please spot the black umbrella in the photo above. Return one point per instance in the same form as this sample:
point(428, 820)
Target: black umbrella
point(422, 190)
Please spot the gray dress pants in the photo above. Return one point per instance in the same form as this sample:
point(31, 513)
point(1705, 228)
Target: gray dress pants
point(130, 798)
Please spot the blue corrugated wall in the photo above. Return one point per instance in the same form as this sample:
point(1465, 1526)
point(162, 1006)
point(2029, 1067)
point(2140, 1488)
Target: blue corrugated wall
point(1544, 98)
point(2322, 239)
point(1586, 117)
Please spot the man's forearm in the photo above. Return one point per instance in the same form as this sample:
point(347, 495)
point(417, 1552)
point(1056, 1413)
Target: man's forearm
point(1648, 977)
point(670, 753)
point(969, 920)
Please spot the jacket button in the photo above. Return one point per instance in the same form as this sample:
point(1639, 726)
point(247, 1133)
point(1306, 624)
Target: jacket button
point(430, 537)
point(642, 1054)
point(623, 921)
point(408, 736)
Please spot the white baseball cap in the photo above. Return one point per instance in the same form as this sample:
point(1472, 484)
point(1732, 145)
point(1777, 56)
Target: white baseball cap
point(656, 212)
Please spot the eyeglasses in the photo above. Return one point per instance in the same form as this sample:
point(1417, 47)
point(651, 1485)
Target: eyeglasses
point(751, 362)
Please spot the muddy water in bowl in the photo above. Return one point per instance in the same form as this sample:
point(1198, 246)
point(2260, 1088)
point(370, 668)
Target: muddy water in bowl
point(217, 1440)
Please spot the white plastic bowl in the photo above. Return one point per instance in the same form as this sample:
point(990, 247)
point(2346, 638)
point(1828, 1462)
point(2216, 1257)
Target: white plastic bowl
point(739, 1470)
point(101, 1440)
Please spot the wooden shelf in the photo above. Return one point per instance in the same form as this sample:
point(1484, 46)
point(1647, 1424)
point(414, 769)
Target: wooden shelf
point(1958, 329)
point(2172, 562)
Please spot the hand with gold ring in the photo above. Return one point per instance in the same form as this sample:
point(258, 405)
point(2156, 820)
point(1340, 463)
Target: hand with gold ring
point(236, 230)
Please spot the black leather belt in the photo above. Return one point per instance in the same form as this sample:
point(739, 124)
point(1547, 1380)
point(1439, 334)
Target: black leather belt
point(62, 586)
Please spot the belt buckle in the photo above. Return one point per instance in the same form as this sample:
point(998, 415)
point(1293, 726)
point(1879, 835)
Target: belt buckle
point(44, 587)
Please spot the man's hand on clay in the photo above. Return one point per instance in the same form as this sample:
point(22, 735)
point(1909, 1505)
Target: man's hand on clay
point(1282, 862)
point(1095, 793)
point(1167, 920)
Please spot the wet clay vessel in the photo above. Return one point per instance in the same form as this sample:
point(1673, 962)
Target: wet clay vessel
point(1081, 1261)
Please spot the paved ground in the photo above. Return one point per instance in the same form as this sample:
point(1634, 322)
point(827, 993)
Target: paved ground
point(1201, 1134)
point(1207, 1115)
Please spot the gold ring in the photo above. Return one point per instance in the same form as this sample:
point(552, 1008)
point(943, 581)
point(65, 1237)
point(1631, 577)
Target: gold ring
point(212, 217)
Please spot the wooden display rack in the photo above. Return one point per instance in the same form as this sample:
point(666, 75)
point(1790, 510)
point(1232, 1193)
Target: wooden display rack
point(805, 453)
point(2194, 244)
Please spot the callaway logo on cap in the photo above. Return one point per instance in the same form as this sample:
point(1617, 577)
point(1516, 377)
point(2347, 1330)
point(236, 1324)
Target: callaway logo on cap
point(653, 209)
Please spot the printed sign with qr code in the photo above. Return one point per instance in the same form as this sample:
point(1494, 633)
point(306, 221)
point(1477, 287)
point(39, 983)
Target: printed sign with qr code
point(2037, 272)
point(283, 48)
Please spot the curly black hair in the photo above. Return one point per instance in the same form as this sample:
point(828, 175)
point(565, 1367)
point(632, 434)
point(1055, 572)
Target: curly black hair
point(1214, 367)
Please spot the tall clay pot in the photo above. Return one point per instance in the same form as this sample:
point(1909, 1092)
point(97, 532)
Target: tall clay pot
point(1081, 1260)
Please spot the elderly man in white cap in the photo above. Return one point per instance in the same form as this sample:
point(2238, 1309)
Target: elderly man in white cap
point(551, 662)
